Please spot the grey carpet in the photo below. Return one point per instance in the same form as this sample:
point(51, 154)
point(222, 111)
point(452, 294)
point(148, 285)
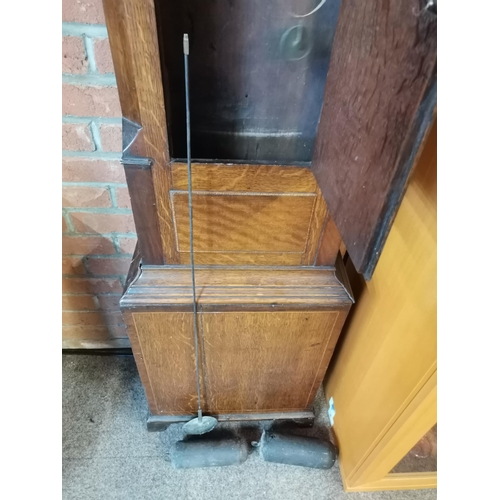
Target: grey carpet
point(108, 454)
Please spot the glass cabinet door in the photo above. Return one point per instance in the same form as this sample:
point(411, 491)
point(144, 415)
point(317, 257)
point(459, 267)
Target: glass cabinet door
point(422, 457)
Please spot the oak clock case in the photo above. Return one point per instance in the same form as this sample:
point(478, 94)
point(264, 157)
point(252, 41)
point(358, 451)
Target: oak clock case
point(269, 86)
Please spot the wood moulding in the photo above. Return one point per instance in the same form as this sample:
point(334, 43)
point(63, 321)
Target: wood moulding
point(230, 288)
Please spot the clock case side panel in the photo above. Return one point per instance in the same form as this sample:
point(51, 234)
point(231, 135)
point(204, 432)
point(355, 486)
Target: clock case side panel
point(134, 48)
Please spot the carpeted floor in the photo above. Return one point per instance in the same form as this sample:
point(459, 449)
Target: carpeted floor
point(108, 454)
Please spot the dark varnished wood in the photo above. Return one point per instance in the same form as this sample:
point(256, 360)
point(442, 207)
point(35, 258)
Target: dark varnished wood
point(135, 267)
point(330, 244)
point(248, 101)
point(142, 198)
point(379, 96)
point(379, 100)
point(342, 276)
point(233, 230)
point(134, 47)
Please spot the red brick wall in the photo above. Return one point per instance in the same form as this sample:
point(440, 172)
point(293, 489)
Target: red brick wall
point(98, 228)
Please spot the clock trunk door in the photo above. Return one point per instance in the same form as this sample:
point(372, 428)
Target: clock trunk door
point(379, 101)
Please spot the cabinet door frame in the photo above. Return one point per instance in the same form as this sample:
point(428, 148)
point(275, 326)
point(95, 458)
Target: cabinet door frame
point(410, 426)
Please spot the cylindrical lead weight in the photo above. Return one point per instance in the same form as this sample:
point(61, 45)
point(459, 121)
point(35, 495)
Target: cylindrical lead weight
point(203, 452)
point(297, 450)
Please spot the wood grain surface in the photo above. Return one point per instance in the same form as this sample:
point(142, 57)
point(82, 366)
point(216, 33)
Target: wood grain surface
point(251, 362)
point(142, 198)
point(167, 349)
point(239, 287)
point(139, 360)
point(244, 178)
point(330, 244)
point(316, 226)
point(234, 222)
point(266, 331)
point(248, 214)
point(134, 47)
point(264, 361)
point(243, 258)
point(379, 100)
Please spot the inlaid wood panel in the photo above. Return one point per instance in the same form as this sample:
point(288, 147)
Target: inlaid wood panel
point(266, 361)
point(251, 223)
point(248, 214)
point(166, 345)
point(243, 258)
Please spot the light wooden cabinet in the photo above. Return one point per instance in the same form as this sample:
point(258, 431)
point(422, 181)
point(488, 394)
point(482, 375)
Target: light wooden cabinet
point(384, 379)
